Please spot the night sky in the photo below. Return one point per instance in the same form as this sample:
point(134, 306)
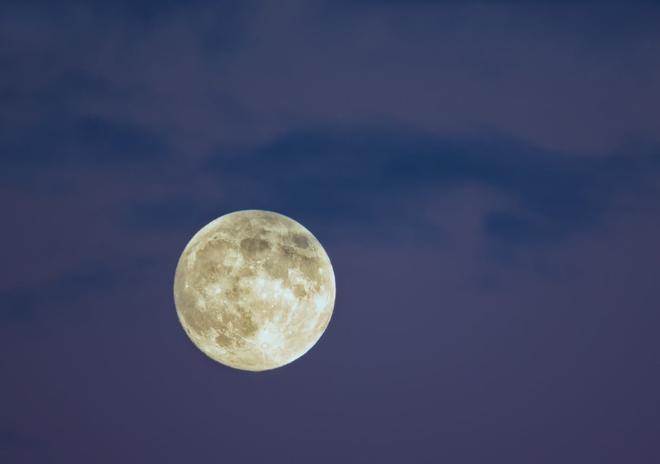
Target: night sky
point(485, 178)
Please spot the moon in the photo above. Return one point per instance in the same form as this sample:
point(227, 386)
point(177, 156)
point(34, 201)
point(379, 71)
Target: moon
point(254, 290)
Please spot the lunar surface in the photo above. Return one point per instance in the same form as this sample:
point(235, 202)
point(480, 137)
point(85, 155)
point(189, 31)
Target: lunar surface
point(254, 290)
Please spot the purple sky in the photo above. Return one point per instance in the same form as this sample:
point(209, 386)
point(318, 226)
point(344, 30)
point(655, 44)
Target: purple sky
point(484, 177)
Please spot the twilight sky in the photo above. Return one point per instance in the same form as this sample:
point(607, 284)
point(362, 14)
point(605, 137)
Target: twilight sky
point(484, 176)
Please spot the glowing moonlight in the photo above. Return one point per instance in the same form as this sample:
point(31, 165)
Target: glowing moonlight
point(254, 290)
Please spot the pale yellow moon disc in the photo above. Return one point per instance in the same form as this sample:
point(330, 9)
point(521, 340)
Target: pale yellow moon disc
point(254, 290)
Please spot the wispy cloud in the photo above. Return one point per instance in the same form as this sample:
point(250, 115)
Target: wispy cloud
point(371, 178)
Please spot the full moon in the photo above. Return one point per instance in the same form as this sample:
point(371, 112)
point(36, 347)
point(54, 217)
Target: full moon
point(254, 290)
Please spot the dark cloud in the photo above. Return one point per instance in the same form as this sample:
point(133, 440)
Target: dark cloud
point(376, 177)
point(55, 299)
point(206, 74)
point(83, 140)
